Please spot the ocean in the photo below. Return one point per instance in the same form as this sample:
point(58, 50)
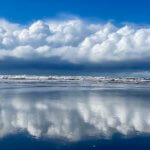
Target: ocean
point(69, 113)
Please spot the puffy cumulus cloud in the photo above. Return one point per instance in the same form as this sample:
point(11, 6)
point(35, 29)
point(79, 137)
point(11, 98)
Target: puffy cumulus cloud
point(74, 119)
point(74, 41)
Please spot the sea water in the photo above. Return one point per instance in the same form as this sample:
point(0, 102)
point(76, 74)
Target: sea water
point(52, 112)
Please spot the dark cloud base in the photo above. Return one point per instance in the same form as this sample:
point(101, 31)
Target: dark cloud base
point(55, 67)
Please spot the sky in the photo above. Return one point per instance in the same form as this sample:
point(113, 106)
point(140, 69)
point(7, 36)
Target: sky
point(24, 11)
point(74, 37)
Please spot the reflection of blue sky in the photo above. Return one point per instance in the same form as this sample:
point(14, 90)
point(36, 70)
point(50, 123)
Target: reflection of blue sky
point(74, 115)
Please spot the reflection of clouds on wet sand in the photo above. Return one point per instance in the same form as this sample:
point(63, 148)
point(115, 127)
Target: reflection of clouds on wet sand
point(74, 118)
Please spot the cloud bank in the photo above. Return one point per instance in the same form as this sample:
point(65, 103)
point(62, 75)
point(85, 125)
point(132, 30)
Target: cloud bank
point(75, 42)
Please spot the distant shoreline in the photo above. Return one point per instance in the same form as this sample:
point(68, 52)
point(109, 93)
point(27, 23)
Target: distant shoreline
point(99, 79)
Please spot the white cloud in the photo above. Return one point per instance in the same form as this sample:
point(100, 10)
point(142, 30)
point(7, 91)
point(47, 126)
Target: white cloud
point(75, 41)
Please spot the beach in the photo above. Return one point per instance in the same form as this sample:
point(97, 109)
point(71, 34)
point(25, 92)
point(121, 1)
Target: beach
point(74, 112)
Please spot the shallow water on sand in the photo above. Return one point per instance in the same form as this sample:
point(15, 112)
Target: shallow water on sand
point(73, 115)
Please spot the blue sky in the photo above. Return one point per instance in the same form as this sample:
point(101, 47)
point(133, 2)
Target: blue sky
point(22, 11)
point(74, 36)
